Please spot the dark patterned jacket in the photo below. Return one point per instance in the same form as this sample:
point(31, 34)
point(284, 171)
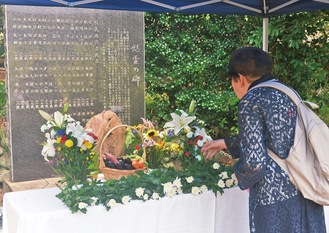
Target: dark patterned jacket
point(267, 119)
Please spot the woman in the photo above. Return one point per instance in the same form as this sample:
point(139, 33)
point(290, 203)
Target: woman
point(266, 119)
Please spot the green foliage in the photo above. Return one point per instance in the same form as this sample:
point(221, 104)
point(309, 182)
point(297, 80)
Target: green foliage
point(195, 179)
point(3, 142)
point(298, 45)
point(3, 98)
point(187, 57)
point(2, 48)
point(215, 109)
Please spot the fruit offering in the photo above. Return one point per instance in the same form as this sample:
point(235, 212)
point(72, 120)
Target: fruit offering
point(128, 162)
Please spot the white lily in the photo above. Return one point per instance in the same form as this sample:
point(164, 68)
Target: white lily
point(180, 122)
point(46, 116)
point(79, 133)
point(48, 149)
point(59, 118)
point(203, 134)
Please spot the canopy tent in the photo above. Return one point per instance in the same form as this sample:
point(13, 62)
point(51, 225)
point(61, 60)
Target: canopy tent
point(263, 8)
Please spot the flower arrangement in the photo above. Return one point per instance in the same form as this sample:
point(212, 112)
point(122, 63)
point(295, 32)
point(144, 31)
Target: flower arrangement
point(68, 148)
point(177, 145)
point(151, 185)
point(189, 133)
point(161, 152)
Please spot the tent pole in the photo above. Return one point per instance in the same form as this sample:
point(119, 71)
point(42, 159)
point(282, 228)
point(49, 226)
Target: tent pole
point(265, 34)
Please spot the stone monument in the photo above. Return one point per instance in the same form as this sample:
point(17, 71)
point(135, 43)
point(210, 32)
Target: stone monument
point(92, 58)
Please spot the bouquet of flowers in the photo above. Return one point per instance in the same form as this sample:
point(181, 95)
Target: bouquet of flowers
point(177, 145)
point(68, 148)
point(189, 133)
point(161, 152)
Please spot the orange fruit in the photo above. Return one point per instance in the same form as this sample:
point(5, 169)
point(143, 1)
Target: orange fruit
point(140, 164)
point(135, 164)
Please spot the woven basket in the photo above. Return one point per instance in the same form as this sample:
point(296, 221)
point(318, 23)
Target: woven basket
point(116, 174)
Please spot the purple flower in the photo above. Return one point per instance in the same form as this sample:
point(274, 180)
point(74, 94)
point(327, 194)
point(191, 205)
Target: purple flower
point(170, 133)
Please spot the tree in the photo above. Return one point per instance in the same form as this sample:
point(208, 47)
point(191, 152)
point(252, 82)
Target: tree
point(187, 56)
point(299, 46)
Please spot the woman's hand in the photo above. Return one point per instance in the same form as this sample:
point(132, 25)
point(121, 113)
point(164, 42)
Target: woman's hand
point(212, 147)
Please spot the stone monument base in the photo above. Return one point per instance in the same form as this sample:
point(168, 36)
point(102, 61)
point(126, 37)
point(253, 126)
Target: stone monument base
point(9, 186)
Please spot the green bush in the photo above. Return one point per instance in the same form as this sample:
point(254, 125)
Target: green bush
point(2, 99)
point(187, 57)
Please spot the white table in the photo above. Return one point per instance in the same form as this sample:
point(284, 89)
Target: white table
point(39, 211)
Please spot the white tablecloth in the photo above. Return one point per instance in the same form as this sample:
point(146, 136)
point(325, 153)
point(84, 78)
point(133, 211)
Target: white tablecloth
point(39, 211)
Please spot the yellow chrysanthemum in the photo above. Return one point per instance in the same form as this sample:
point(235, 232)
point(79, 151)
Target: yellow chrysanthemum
point(88, 144)
point(69, 143)
point(58, 140)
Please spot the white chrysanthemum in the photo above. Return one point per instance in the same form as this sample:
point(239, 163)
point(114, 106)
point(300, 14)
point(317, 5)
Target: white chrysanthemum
point(233, 176)
point(189, 134)
point(189, 179)
point(112, 203)
point(179, 190)
point(204, 188)
point(229, 183)
point(195, 190)
point(224, 175)
point(44, 128)
point(139, 192)
point(167, 187)
point(172, 192)
point(200, 143)
point(155, 196)
point(216, 166)
point(82, 205)
point(94, 200)
point(177, 183)
point(145, 197)
point(221, 184)
point(125, 199)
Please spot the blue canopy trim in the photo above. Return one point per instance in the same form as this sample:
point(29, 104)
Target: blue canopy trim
point(262, 8)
